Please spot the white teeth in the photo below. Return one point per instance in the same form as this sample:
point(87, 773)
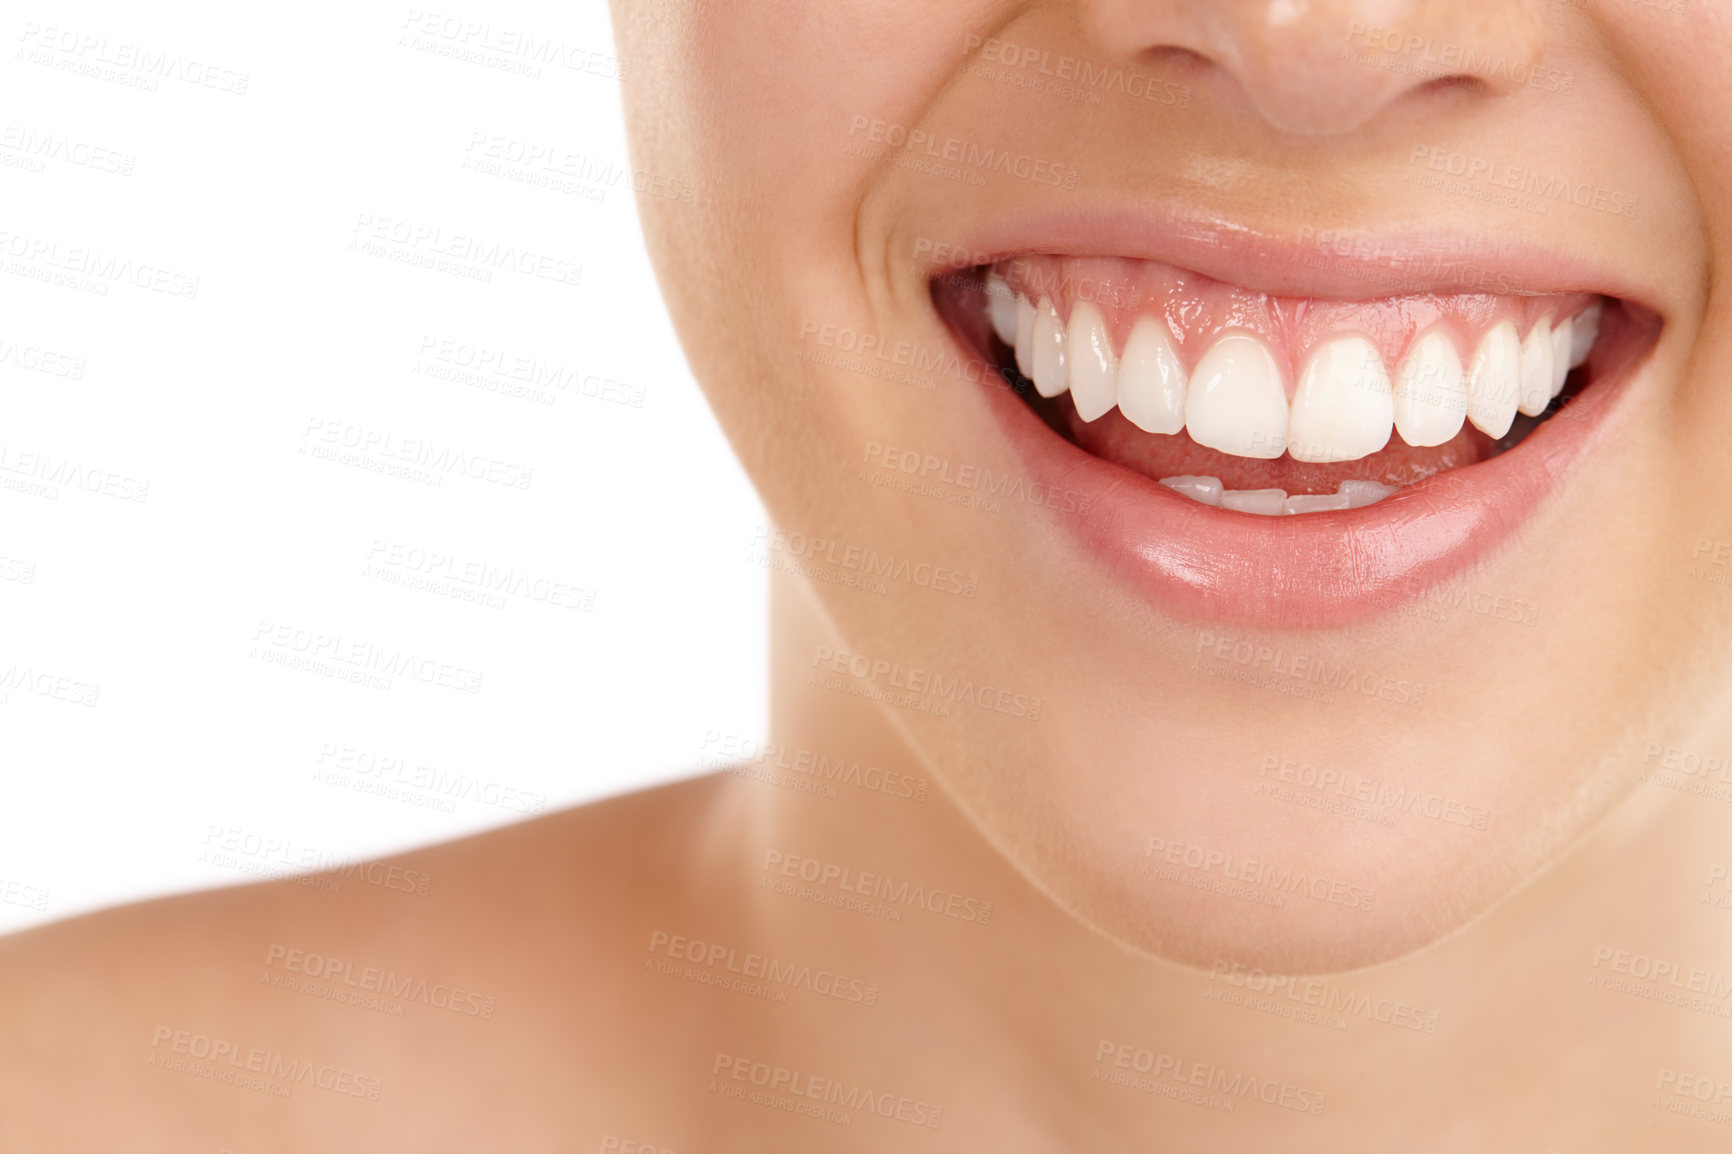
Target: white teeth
point(1430, 392)
point(1001, 307)
point(1583, 335)
point(1051, 375)
point(1235, 402)
point(1536, 392)
point(1494, 381)
point(1316, 503)
point(1024, 337)
point(1094, 371)
point(1362, 493)
point(1151, 380)
point(1265, 502)
point(1343, 408)
point(1273, 502)
point(1204, 489)
point(1562, 337)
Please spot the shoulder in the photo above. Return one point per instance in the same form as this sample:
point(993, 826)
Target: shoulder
point(353, 997)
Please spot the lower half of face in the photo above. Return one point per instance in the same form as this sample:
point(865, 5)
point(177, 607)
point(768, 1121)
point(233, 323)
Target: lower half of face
point(1283, 544)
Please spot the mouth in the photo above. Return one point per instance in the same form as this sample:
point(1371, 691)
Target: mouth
point(1289, 459)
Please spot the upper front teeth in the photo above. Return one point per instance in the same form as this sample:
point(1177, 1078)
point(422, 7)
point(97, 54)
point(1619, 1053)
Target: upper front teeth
point(1235, 402)
point(1094, 370)
point(1151, 386)
point(1344, 407)
point(1051, 374)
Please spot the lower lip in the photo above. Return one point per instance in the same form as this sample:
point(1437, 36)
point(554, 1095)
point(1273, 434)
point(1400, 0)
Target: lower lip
point(1312, 569)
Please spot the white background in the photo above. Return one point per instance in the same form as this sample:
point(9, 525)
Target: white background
point(626, 623)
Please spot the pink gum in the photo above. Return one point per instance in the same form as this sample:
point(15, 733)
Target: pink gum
point(1197, 309)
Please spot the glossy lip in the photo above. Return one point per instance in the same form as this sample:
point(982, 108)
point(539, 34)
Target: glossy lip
point(1315, 570)
point(1384, 262)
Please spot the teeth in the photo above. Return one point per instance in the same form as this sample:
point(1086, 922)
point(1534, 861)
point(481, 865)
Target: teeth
point(1343, 408)
point(1235, 402)
point(1266, 502)
point(1094, 371)
point(1362, 493)
point(1024, 337)
point(1430, 392)
point(1582, 336)
point(1494, 381)
point(1271, 502)
point(1151, 380)
point(1051, 375)
point(1204, 489)
point(1562, 338)
point(1001, 307)
point(1536, 390)
point(1316, 503)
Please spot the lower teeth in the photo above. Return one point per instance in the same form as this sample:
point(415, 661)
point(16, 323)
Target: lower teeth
point(1276, 502)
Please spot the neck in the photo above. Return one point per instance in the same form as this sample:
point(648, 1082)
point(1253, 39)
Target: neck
point(861, 862)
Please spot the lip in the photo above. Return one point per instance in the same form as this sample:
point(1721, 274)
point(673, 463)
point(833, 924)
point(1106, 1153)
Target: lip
point(1337, 264)
point(1324, 569)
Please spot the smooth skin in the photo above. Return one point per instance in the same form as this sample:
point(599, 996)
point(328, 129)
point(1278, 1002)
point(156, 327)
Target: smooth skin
point(1497, 994)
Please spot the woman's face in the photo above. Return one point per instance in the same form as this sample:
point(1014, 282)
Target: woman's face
point(1331, 241)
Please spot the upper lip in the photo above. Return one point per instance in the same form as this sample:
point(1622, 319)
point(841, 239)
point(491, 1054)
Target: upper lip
point(1338, 264)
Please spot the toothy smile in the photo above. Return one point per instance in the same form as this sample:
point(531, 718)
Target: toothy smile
point(1267, 404)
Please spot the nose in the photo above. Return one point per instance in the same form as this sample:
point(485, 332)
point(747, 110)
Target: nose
point(1320, 67)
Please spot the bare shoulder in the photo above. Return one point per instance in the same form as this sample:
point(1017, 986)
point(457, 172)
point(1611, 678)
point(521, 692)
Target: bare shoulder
point(469, 984)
